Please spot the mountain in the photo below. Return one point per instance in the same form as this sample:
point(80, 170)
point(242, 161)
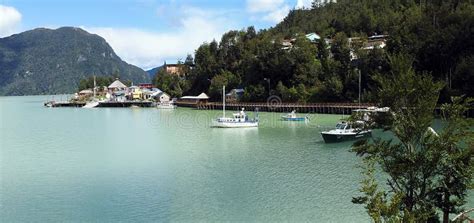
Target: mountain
point(45, 61)
point(152, 72)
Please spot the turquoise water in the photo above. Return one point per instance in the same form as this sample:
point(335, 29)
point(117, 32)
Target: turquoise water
point(145, 164)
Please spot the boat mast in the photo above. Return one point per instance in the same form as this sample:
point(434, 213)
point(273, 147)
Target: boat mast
point(94, 86)
point(360, 80)
point(223, 101)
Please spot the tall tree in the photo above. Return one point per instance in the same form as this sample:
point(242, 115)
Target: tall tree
point(455, 146)
point(410, 162)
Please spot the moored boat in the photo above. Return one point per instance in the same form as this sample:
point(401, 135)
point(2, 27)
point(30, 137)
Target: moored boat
point(292, 117)
point(166, 105)
point(49, 104)
point(345, 131)
point(238, 120)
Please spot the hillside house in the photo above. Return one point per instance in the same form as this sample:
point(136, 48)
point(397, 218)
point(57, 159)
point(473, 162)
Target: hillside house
point(234, 95)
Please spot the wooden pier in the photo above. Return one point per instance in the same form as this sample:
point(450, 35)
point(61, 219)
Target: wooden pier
point(322, 108)
point(109, 104)
point(114, 104)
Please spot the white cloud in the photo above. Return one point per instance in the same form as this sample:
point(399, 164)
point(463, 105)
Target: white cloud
point(148, 49)
point(10, 20)
point(263, 5)
point(301, 4)
point(268, 10)
point(277, 15)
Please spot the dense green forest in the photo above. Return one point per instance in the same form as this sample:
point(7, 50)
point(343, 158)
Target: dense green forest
point(437, 34)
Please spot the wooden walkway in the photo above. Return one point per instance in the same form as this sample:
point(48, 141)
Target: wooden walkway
point(323, 108)
point(110, 104)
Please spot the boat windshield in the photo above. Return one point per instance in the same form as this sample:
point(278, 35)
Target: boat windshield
point(239, 116)
point(340, 126)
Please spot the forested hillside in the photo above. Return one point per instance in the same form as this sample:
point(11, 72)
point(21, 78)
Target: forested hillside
point(438, 35)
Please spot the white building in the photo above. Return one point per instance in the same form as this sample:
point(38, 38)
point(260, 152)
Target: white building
point(163, 97)
point(117, 86)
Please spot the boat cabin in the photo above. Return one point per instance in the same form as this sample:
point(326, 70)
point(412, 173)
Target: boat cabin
point(241, 116)
point(343, 126)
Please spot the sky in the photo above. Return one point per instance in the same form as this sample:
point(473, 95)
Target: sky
point(146, 33)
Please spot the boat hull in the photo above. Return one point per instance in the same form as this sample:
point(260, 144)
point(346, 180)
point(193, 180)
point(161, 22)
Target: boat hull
point(166, 106)
point(299, 119)
point(234, 124)
point(333, 138)
point(92, 104)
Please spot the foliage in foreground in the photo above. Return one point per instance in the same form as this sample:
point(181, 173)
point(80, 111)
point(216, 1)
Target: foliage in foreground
point(426, 171)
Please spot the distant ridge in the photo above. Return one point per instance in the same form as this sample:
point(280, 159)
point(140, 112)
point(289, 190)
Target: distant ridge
point(46, 61)
point(153, 72)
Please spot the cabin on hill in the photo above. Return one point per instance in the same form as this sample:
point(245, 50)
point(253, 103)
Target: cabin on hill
point(173, 69)
point(372, 42)
point(234, 95)
point(313, 37)
point(376, 41)
point(287, 44)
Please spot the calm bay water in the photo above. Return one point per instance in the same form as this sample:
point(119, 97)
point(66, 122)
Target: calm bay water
point(145, 164)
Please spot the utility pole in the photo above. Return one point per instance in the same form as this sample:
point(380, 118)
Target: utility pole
point(360, 80)
point(268, 81)
point(94, 86)
point(450, 78)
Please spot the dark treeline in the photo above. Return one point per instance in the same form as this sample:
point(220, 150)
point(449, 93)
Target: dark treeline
point(437, 34)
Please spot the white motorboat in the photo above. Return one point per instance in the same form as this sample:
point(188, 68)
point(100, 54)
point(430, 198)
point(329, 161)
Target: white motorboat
point(346, 131)
point(166, 105)
point(238, 120)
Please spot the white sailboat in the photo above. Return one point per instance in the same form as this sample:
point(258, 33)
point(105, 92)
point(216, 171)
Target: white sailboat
point(238, 120)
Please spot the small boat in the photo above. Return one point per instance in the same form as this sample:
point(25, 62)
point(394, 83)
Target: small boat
point(166, 105)
point(238, 120)
point(91, 104)
point(292, 117)
point(346, 131)
point(49, 104)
